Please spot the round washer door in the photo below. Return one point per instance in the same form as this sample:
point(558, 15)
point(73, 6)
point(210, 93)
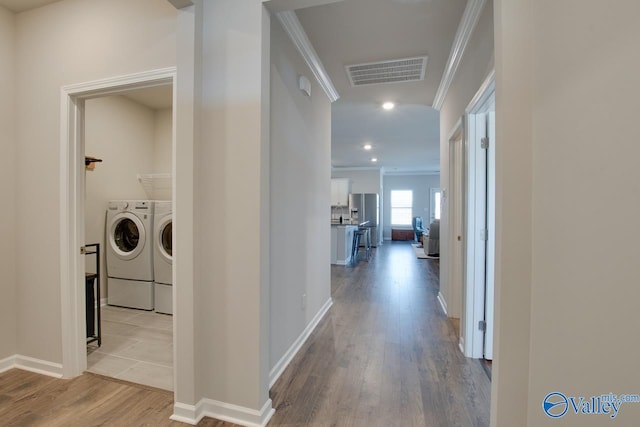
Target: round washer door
point(127, 236)
point(165, 238)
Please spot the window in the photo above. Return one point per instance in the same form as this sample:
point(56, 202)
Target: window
point(436, 203)
point(401, 207)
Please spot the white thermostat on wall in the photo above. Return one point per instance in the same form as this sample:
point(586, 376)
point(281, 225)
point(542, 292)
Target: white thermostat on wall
point(305, 85)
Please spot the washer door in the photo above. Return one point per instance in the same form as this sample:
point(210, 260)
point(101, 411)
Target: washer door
point(127, 236)
point(165, 238)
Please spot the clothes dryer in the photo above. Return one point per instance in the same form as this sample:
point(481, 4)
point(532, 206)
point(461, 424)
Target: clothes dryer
point(163, 257)
point(129, 233)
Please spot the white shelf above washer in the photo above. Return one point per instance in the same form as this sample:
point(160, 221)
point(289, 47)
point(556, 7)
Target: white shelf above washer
point(157, 186)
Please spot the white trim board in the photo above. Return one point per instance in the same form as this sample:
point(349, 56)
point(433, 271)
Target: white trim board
point(72, 97)
point(284, 361)
point(294, 30)
point(467, 24)
point(235, 414)
point(31, 364)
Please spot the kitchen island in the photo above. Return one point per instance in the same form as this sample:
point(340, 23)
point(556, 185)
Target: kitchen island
point(341, 242)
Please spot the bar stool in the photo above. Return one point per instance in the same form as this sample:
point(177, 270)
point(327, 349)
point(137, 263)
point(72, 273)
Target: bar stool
point(358, 235)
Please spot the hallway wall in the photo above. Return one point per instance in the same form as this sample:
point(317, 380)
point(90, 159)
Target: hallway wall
point(64, 43)
point(300, 197)
point(8, 185)
point(476, 64)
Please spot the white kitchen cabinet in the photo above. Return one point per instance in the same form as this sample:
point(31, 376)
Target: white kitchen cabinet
point(340, 189)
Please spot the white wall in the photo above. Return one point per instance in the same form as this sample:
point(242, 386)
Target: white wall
point(64, 43)
point(124, 134)
point(300, 196)
point(476, 64)
point(566, 317)
point(163, 134)
point(362, 181)
point(421, 186)
point(585, 142)
point(231, 199)
point(8, 184)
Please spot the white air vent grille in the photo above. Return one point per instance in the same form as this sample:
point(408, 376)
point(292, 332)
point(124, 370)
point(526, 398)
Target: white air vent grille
point(394, 71)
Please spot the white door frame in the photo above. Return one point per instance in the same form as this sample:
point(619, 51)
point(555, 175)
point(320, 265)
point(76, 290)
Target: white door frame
point(476, 221)
point(455, 214)
point(72, 182)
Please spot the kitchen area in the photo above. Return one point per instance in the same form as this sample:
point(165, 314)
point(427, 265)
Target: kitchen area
point(354, 221)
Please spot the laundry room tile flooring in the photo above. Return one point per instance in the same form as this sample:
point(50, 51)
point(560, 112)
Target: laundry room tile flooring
point(137, 346)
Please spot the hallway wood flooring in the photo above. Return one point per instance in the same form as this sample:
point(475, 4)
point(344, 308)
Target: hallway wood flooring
point(385, 355)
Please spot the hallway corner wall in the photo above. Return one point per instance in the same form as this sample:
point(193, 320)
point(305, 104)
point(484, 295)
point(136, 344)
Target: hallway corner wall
point(231, 207)
point(8, 185)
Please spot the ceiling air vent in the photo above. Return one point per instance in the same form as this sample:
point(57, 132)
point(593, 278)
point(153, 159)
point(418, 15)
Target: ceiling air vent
point(394, 71)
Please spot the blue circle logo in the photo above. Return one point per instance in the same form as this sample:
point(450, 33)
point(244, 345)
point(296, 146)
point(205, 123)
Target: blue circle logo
point(555, 404)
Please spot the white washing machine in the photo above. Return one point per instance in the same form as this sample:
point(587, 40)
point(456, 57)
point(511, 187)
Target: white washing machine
point(163, 257)
point(129, 233)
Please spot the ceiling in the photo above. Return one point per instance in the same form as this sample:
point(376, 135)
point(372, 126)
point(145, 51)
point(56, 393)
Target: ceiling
point(155, 98)
point(17, 6)
point(347, 32)
point(361, 31)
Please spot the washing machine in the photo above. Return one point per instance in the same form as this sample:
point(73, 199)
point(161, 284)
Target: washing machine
point(163, 257)
point(129, 234)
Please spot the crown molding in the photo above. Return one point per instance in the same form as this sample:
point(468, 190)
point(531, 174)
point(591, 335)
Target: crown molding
point(293, 28)
point(467, 24)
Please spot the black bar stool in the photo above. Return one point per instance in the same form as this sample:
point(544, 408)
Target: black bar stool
point(358, 236)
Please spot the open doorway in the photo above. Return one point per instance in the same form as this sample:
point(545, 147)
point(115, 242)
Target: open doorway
point(76, 101)
point(128, 206)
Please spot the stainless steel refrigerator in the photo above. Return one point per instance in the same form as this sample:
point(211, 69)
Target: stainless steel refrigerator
point(366, 207)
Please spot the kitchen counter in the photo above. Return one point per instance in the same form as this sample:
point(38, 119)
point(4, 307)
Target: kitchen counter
point(336, 223)
point(341, 242)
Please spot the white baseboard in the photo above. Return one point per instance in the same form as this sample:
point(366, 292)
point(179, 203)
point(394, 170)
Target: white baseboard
point(30, 364)
point(240, 415)
point(284, 361)
point(461, 345)
point(103, 302)
point(442, 302)
point(7, 363)
point(345, 262)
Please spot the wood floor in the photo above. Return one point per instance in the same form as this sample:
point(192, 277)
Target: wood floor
point(385, 355)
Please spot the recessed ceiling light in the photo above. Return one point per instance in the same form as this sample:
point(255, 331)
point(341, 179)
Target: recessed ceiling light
point(388, 105)
point(367, 147)
point(374, 159)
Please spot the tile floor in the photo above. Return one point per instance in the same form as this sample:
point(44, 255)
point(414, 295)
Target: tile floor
point(137, 346)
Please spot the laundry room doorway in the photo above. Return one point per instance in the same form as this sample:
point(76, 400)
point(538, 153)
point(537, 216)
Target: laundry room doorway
point(128, 147)
point(117, 162)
